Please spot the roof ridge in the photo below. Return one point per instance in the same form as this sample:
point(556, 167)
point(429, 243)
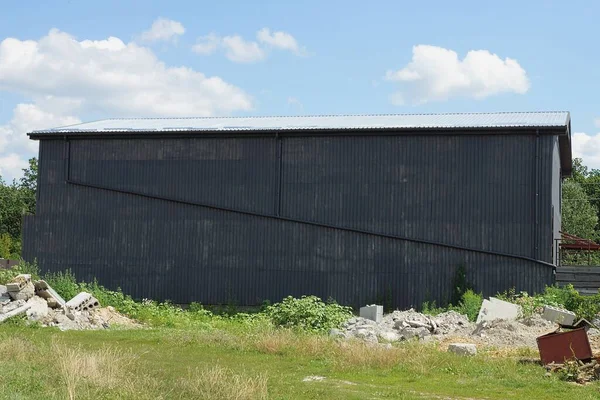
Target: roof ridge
point(329, 115)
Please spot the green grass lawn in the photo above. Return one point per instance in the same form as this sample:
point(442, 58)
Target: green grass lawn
point(234, 361)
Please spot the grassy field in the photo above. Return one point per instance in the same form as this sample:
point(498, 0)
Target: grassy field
point(237, 361)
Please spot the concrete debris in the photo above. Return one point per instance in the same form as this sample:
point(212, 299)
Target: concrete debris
point(44, 290)
point(41, 304)
point(18, 283)
point(494, 309)
point(25, 293)
point(38, 309)
point(462, 349)
point(559, 315)
point(448, 327)
point(13, 313)
point(403, 325)
point(372, 312)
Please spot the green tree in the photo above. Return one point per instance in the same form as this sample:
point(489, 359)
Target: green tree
point(16, 199)
point(579, 216)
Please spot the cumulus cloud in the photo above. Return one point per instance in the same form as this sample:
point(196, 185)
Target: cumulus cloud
point(62, 78)
point(206, 45)
point(279, 40)
point(163, 30)
point(240, 50)
point(586, 147)
point(114, 77)
point(436, 74)
point(15, 147)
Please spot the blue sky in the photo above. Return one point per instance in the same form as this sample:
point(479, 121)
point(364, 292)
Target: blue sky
point(332, 57)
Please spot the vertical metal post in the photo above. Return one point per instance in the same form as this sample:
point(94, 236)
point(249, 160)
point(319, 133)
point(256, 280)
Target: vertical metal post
point(279, 173)
point(537, 195)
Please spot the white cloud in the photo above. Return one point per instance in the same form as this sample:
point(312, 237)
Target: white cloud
point(112, 77)
point(163, 30)
point(280, 40)
point(206, 45)
point(15, 146)
point(63, 78)
point(586, 147)
point(436, 74)
point(239, 50)
point(11, 166)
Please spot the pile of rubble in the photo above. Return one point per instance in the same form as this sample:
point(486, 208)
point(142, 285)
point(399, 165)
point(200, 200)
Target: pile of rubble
point(404, 325)
point(499, 324)
point(40, 303)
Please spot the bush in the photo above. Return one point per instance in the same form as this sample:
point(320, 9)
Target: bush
point(308, 313)
point(470, 304)
point(565, 297)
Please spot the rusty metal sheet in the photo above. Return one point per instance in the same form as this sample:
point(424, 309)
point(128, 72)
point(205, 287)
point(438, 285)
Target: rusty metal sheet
point(556, 347)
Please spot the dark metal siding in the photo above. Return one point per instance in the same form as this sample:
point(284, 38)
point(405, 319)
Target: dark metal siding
point(473, 191)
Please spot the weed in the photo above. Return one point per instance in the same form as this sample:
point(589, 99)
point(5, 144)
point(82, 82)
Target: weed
point(222, 383)
point(308, 313)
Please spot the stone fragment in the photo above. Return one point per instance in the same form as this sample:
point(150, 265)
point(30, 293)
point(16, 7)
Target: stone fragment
point(389, 336)
point(38, 309)
point(462, 349)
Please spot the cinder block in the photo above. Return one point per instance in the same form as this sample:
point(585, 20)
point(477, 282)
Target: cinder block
point(372, 312)
point(558, 315)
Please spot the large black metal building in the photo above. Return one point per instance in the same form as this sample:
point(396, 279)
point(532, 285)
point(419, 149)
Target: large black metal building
point(357, 208)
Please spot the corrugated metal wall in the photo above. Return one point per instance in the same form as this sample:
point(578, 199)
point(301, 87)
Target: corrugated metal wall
point(468, 190)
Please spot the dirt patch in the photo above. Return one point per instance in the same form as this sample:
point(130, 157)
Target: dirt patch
point(114, 318)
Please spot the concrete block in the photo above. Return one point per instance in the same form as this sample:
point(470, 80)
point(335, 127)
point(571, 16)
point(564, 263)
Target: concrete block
point(18, 283)
point(462, 349)
point(79, 301)
point(16, 311)
point(494, 308)
point(559, 315)
point(25, 293)
point(372, 312)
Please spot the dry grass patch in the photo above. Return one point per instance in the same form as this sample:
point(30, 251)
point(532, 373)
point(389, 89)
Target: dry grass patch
point(84, 371)
point(222, 383)
point(14, 348)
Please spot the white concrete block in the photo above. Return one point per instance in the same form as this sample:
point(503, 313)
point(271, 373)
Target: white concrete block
point(462, 349)
point(372, 312)
point(559, 315)
point(494, 308)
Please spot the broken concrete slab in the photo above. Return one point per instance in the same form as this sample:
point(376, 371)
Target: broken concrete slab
point(15, 312)
point(38, 308)
point(372, 312)
point(462, 349)
point(12, 305)
point(559, 315)
point(3, 291)
point(79, 301)
point(494, 309)
point(25, 293)
point(44, 290)
point(18, 283)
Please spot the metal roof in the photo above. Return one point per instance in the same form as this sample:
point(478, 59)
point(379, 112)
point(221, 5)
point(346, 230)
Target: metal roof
point(555, 119)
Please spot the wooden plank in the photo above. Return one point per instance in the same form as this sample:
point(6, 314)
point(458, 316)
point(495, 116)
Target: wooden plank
point(582, 284)
point(577, 277)
point(585, 270)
